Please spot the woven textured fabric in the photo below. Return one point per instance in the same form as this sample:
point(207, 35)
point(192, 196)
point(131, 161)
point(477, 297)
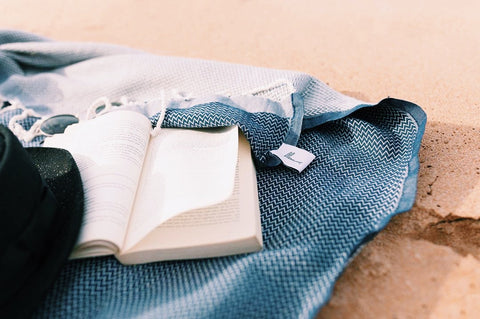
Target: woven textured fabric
point(313, 222)
point(264, 131)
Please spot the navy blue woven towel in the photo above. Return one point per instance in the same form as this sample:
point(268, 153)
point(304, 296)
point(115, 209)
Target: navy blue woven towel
point(365, 171)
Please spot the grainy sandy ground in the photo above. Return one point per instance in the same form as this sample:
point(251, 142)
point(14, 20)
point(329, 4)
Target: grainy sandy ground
point(426, 263)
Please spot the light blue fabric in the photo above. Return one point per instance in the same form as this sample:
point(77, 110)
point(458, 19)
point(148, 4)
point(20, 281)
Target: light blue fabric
point(365, 172)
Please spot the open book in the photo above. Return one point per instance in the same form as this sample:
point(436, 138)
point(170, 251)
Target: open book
point(185, 193)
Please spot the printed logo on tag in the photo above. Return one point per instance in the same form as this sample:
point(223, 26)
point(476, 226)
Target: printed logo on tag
point(293, 156)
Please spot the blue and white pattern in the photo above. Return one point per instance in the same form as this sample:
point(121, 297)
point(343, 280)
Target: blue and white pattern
point(265, 131)
point(313, 222)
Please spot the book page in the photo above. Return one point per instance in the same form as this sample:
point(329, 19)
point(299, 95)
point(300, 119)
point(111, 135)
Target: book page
point(109, 151)
point(185, 169)
point(230, 227)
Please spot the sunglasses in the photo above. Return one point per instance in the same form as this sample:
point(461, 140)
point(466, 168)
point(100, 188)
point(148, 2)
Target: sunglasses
point(46, 126)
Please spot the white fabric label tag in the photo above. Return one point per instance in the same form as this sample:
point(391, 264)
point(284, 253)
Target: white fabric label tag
point(294, 157)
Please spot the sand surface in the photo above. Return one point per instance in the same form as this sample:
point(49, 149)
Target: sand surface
point(426, 263)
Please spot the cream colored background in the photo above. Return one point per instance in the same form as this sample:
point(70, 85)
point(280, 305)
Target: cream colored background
point(426, 263)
